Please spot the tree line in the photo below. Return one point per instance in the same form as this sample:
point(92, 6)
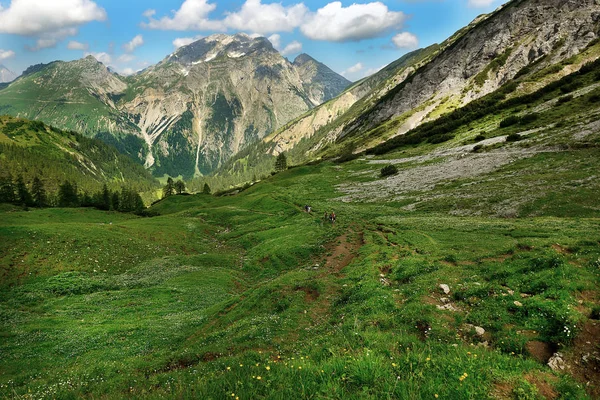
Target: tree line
point(17, 192)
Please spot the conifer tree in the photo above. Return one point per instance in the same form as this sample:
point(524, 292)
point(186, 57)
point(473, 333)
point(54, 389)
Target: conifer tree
point(206, 189)
point(7, 189)
point(169, 188)
point(114, 201)
point(180, 186)
point(23, 195)
point(281, 162)
point(67, 195)
point(38, 193)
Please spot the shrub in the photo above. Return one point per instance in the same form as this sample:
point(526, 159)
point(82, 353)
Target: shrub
point(513, 137)
point(388, 170)
point(479, 138)
point(477, 148)
point(510, 121)
point(526, 119)
point(564, 99)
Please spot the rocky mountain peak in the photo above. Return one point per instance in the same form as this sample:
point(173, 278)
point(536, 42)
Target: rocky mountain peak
point(303, 59)
point(6, 75)
point(218, 45)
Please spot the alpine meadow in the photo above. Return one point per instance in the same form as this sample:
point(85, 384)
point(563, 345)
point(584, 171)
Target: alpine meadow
point(224, 216)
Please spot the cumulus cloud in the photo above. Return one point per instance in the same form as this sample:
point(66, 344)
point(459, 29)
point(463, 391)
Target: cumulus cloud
point(275, 40)
point(192, 15)
point(266, 18)
point(50, 39)
point(480, 3)
point(6, 54)
point(184, 41)
point(74, 45)
point(34, 17)
point(356, 22)
point(104, 58)
point(406, 40)
point(127, 71)
point(125, 58)
point(133, 44)
point(353, 69)
point(292, 48)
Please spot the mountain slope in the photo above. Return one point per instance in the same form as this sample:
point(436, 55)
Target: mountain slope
point(186, 115)
point(525, 39)
point(30, 148)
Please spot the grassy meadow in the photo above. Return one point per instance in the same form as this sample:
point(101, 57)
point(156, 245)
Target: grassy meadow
point(248, 296)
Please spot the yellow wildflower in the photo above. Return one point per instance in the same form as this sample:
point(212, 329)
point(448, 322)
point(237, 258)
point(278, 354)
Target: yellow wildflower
point(268, 368)
point(258, 378)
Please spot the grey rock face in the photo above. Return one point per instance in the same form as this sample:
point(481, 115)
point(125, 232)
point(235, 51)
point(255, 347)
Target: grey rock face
point(523, 32)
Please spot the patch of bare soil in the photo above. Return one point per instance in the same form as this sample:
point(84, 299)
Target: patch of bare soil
point(343, 252)
point(583, 359)
point(310, 294)
point(541, 351)
point(561, 249)
point(542, 383)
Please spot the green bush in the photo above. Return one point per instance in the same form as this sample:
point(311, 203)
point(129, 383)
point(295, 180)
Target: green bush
point(513, 137)
point(510, 121)
point(564, 99)
point(388, 170)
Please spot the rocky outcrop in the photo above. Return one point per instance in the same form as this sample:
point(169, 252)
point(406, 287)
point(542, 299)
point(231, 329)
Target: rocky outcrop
point(490, 54)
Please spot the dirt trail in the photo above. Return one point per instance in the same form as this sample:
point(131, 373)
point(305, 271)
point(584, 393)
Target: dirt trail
point(343, 252)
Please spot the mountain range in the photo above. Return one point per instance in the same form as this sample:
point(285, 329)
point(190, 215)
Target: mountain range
point(232, 103)
point(187, 114)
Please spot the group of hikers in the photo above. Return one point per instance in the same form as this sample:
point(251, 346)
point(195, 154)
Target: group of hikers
point(331, 217)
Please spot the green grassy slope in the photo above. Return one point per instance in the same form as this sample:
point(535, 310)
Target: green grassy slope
point(30, 148)
point(248, 296)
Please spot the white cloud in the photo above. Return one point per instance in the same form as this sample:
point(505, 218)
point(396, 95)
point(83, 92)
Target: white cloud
point(480, 3)
point(35, 17)
point(266, 18)
point(125, 58)
point(372, 71)
point(192, 15)
point(133, 44)
point(292, 48)
point(275, 40)
point(353, 69)
point(149, 13)
point(6, 54)
point(406, 40)
point(127, 71)
point(356, 22)
point(50, 39)
point(104, 58)
point(74, 45)
point(184, 41)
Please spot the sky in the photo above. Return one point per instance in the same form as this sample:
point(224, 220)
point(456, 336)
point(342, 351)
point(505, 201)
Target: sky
point(355, 38)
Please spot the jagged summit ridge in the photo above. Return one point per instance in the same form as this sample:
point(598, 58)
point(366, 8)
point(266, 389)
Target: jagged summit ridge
point(211, 47)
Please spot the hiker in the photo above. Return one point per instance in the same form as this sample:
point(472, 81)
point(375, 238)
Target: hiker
point(332, 217)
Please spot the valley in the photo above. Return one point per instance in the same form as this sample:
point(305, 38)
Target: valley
point(169, 234)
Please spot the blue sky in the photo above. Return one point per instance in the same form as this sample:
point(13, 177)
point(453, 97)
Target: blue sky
point(354, 37)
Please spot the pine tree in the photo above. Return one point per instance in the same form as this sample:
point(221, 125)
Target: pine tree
point(114, 201)
point(7, 190)
point(104, 199)
point(206, 189)
point(67, 195)
point(180, 186)
point(23, 195)
point(38, 193)
point(169, 188)
point(281, 162)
